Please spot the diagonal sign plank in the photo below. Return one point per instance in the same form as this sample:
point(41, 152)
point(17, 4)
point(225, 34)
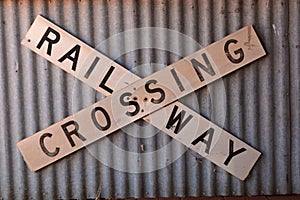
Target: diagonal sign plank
point(194, 141)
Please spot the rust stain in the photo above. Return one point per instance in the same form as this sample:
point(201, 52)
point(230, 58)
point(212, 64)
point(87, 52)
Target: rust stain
point(237, 10)
point(248, 43)
point(222, 10)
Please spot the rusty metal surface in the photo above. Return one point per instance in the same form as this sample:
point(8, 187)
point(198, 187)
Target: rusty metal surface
point(262, 99)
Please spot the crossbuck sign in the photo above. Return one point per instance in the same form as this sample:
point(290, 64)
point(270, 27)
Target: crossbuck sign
point(154, 95)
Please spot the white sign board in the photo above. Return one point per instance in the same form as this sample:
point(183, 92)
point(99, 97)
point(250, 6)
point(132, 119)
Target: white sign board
point(161, 89)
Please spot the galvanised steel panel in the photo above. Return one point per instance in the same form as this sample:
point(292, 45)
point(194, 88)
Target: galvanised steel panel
point(261, 100)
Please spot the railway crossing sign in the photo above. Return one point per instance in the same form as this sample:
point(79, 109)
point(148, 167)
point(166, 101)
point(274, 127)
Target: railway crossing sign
point(134, 98)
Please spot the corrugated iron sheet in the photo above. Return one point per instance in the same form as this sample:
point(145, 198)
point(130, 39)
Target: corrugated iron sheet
point(262, 99)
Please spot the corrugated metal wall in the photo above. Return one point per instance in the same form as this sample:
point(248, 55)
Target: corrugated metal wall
point(262, 99)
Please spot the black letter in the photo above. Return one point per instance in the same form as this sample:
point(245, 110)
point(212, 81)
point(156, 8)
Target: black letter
point(239, 51)
point(210, 133)
point(207, 69)
point(45, 150)
point(130, 103)
point(161, 91)
point(108, 122)
point(92, 67)
point(231, 153)
point(102, 84)
point(73, 132)
point(74, 59)
point(50, 41)
point(174, 74)
point(172, 120)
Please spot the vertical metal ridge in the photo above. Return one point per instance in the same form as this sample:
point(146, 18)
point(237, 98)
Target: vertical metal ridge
point(150, 185)
point(104, 178)
point(159, 19)
point(58, 78)
point(261, 32)
point(33, 115)
point(116, 26)
point(282, 114)
point(294, 49)
point(24, 113)
point(6, 187)
point(267, 107)
point(2, 107)
point(221, 26)
point(217, 31)
point(236, 84)
point(40, 81)
point(178, 168)
point(14, 95)
point(90, 184)
point(191, 185)
point(76, 167)
point(263, 81)
point(251, 97)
